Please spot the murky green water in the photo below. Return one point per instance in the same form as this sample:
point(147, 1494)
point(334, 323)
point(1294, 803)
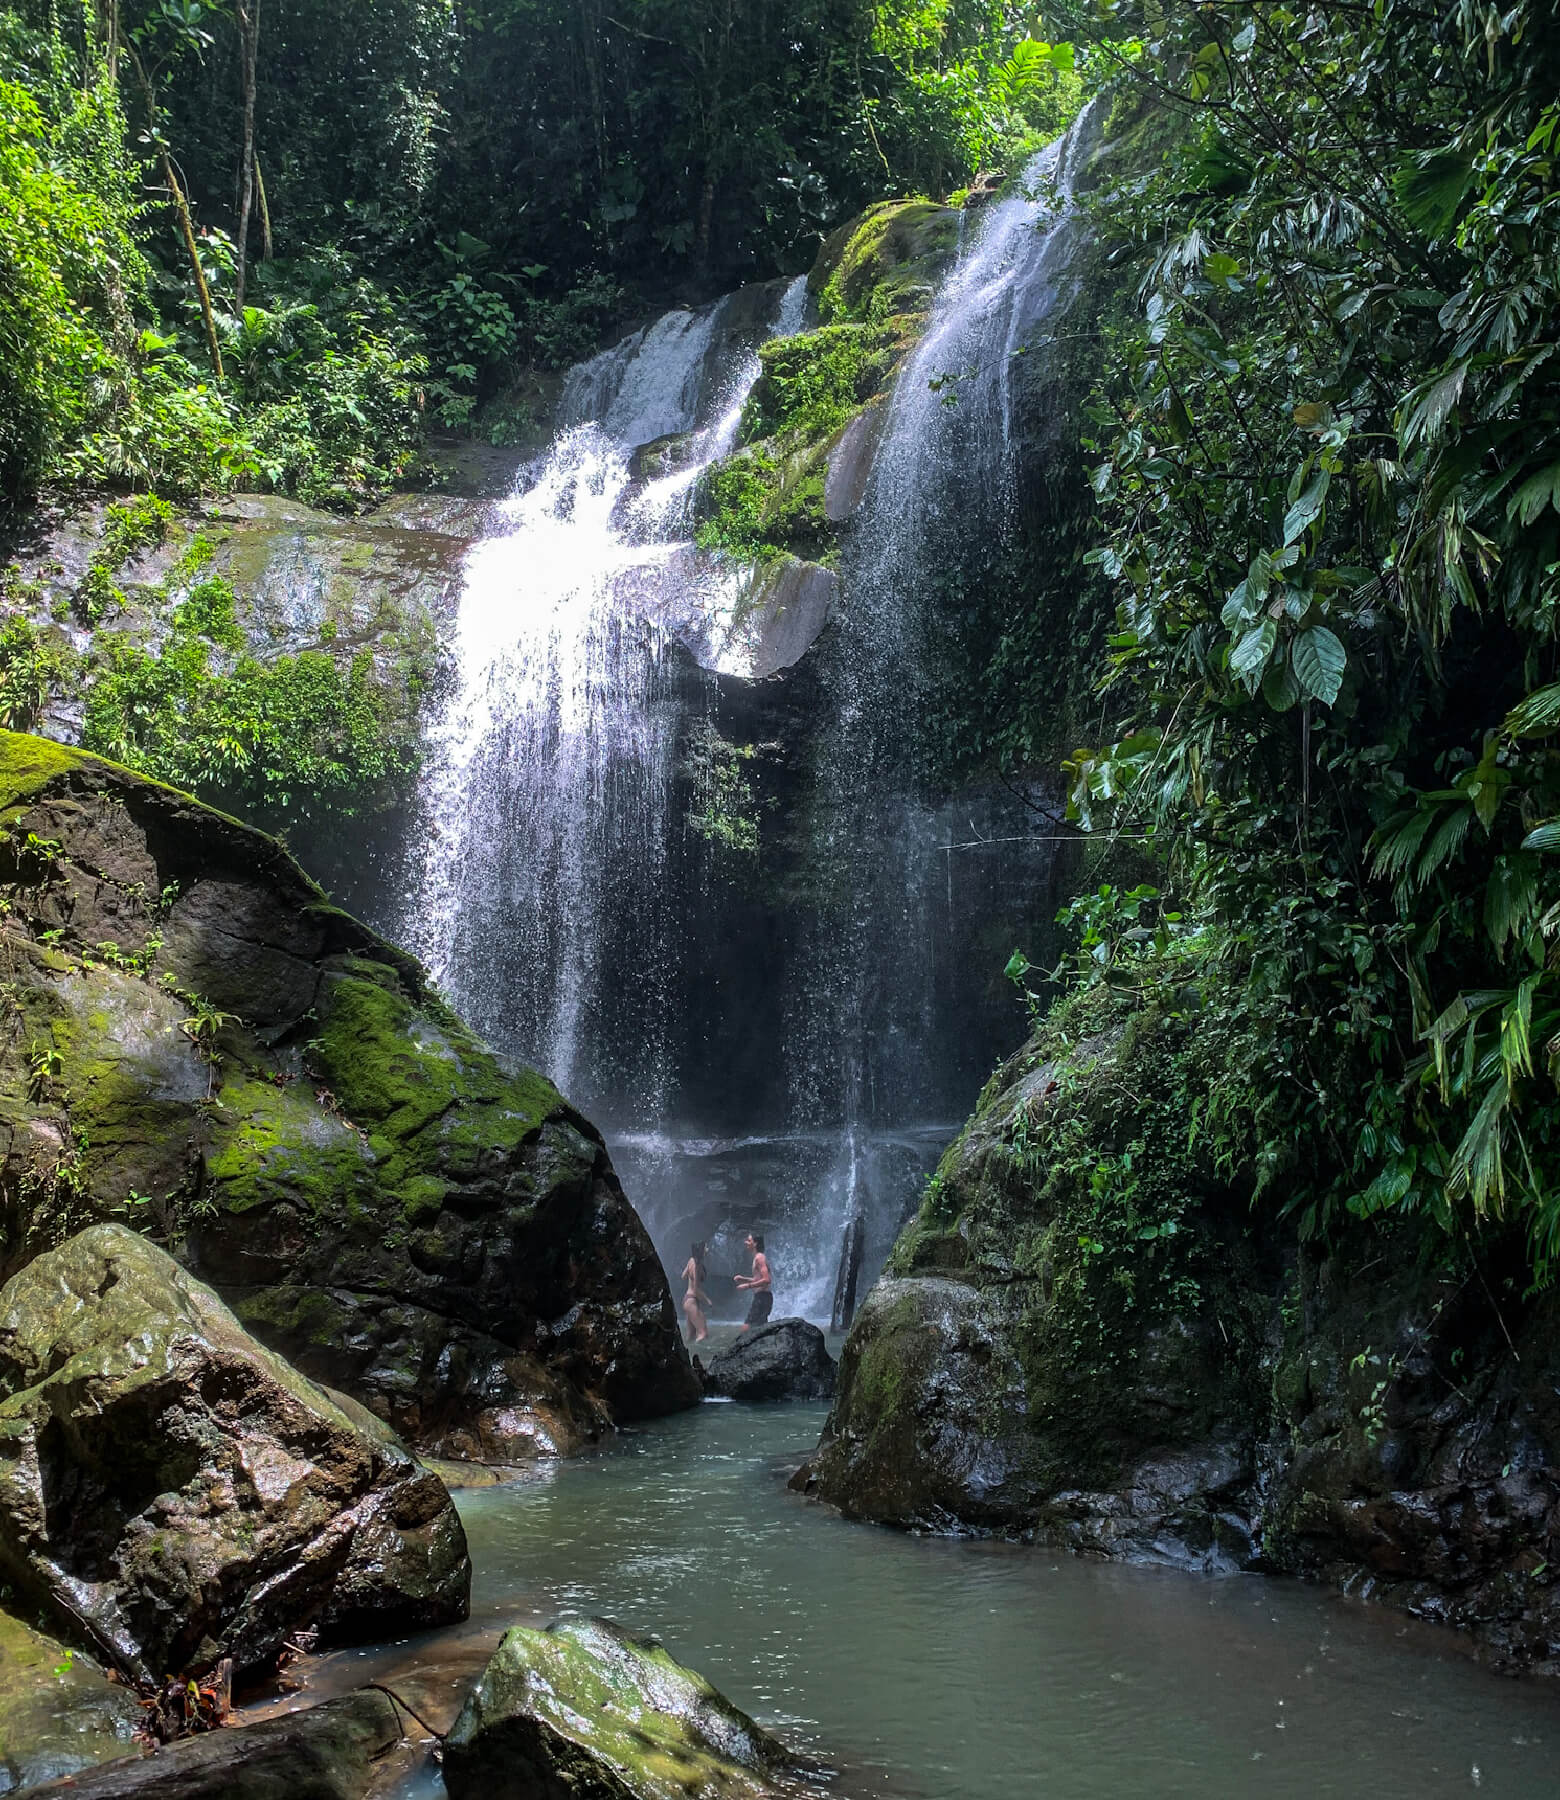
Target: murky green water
point(931, 1668)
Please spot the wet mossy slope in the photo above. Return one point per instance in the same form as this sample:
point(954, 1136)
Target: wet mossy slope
point(196, 1042)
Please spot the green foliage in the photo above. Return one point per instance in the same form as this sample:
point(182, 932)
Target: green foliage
point(725, 808)
point(1327, 476)
point(811, 383)
point(735, 498)
point(274, 741)
point(34, 668)
point(69, 271)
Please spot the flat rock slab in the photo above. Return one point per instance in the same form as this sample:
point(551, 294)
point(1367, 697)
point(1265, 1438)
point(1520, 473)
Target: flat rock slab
point(177, 1493)
point(58, 1711)
point(584, 1711)
point(785, 1360)
point(325, 1753)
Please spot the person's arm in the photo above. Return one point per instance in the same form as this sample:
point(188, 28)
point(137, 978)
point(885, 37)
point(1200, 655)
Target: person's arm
point(760, 1271)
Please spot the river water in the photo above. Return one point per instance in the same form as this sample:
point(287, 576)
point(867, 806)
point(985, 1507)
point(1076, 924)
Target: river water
point(938, 1669)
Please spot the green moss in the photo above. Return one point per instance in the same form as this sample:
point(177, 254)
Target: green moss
point(29, 764)
point(274, 1145)
point(890, 260)
point(617, 1704)
point(430, 1096)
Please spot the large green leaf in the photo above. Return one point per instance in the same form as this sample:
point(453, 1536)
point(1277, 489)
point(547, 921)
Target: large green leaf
point(1306, 507)
point(1431, 188)
point(1319, 661)
point(1537, 714)
point(1249, 657)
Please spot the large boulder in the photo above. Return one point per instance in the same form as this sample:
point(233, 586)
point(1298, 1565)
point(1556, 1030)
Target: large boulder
point(786, 1360)
point(58, 1712)
point(584, 1711)
point(198, 1039)
point(176, 1493)
point(328, 1752)
point(1088, 1335)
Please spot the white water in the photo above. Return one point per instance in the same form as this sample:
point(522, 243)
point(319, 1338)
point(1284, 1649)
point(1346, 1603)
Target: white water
point(865, 1028)
point(553, 761)
point(555, 895)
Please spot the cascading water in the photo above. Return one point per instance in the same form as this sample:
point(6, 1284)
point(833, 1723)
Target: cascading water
point(757, 1058)
point(545, 806)
point(866, 1023)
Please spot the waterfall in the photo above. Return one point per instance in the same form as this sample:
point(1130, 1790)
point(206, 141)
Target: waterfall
point(775, 1057)
point(538, 896)
point(864, 1039)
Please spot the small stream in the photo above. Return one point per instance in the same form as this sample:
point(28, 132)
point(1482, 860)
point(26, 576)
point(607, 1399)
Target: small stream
point(938, 1669)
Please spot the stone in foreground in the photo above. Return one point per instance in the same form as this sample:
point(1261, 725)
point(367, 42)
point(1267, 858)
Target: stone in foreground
point(177, 1493)
point(58, 1714)
point(786, 1360)
point(328, 1752)
point(584, 1711)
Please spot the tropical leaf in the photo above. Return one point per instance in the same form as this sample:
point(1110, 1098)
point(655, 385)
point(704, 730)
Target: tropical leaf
point(1537, 714)
point(1431, 188)
point(1250, 656)
point(1319, 662)
point(1307, 506)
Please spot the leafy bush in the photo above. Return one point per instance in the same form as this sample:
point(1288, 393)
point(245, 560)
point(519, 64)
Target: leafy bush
point(69, 272)
point(1326, 468)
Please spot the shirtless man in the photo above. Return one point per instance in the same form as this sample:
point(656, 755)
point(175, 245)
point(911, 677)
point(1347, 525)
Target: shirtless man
point(758, 1284)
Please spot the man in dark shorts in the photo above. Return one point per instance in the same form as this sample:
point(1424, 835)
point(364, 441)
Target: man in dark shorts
point(758, 1284)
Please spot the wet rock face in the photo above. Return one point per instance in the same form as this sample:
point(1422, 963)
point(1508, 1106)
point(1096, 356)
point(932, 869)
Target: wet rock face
point(1364, 1418)
point(583, 1711)
point(204, 1044)
point(327, 1752)
point(180, 1494)
point(786, 1360)
point(58, 1714)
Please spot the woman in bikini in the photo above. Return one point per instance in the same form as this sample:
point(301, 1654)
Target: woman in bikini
point(695, 1300)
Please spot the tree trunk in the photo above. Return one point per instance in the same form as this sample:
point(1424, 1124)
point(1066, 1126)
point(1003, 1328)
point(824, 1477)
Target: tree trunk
point(249, 39)
point(182, 207)
point(267, 245)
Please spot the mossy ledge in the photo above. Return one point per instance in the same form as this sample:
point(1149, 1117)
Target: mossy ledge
point(197, 1042)
point(806, 434)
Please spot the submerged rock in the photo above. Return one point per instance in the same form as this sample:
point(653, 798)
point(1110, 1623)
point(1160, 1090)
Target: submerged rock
point(786, 1360)
point(326, 1752)
point(203, 1043)
point(179, 1494)
point(584, 1711)
point(58, 1712)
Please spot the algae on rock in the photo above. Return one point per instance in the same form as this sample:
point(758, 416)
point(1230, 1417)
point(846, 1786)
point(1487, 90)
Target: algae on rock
point(177, 1494)
point(1087, 1335)
point(200, 1044)
point(58, 1712)
point(584, 1711)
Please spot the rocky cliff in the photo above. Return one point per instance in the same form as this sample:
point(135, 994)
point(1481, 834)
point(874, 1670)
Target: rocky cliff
point(196, 1042)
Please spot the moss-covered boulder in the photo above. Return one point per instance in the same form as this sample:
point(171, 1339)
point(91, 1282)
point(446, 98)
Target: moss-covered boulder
point(177, 1494)
point(1090, 1335)
point(58, 1712)
point(197, 1043)
point(584, 1711)
point(811, 424)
